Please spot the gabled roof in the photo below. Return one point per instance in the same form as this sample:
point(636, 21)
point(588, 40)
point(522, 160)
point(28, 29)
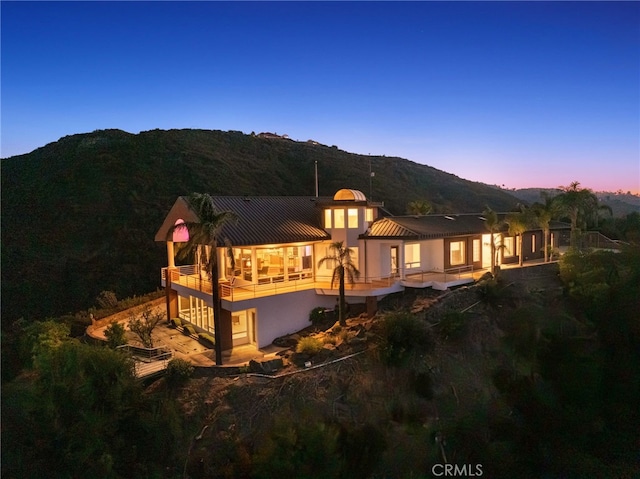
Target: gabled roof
point(261, 219)
point(435, 226)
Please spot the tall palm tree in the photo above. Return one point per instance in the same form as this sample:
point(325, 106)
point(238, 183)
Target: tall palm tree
point(419, 207)
point(518, 224)
point(542, 214)
point(344, 269)
point(203, 243)
point(578, 204)
point(493, 225)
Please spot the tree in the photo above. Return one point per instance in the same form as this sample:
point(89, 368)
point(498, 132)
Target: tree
point(344, 269)
point(541, 214)
point(419, 207)
point(578, 204)
point(143, 325)
point(493, 225)
point(518, 223)
point(115, 335)
point(203, 241)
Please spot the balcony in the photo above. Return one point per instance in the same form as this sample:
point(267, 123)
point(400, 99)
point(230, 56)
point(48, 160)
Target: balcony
point(189, 277)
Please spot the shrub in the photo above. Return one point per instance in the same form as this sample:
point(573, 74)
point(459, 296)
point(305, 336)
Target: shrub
point(115, 335)
point(317, 315)
point(107, 300)
point(490, 292)
point(403, 335)
point(309, 345)
point(188, 330)
point(178, 372)
point(330, 339)
point(176, 322)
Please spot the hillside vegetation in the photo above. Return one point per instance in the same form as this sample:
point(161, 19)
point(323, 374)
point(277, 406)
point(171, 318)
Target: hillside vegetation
point(79, 215)
point(535, 374)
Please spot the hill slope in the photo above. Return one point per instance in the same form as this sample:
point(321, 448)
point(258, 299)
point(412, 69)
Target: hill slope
point(79, 215)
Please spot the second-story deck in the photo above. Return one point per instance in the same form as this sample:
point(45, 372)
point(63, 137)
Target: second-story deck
point(237, 290)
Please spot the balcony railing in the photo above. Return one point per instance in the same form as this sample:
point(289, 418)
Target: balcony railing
point(189, 276)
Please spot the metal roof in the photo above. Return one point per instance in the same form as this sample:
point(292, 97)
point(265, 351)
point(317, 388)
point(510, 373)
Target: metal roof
point(436, 226)
point(264, 220)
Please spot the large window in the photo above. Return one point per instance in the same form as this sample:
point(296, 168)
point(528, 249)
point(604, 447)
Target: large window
point(270, 262)
point(353, 217)
point(338, 216)
point(476, 251)
point(457, 253)
point(509, 246)
point(299, 259)
point(412, 255)
point(368, 214)
point(327, 219)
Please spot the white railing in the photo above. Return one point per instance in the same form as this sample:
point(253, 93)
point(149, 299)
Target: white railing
point(148, 361)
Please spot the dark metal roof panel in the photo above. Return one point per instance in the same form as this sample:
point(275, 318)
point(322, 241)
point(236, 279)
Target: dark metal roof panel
point(272, 219)
point(436, 226)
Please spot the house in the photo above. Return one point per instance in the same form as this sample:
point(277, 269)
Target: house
point(269, 276)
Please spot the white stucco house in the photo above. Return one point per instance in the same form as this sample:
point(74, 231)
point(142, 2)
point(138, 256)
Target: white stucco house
point(278, 241)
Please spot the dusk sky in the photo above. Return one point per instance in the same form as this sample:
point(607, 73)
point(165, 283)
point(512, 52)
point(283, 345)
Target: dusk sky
point(510, 93)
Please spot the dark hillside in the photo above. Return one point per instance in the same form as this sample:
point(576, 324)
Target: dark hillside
point(79, 215)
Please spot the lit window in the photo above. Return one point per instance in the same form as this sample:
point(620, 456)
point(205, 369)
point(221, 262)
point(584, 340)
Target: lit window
point(180, 233)
point(456, 250)
point(533, 243)
point(368, 214)
point(476, 250)
point(327, 219)
point(509, 249)
point(353, 217)
point(338, 216)
point(552, 241)
point(412, 255)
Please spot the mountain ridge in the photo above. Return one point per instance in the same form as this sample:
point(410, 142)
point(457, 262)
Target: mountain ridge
point(80, 214)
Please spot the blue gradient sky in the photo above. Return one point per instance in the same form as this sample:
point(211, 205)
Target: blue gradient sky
point(520, 94)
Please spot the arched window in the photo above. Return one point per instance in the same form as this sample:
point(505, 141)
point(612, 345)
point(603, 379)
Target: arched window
point(180, 235)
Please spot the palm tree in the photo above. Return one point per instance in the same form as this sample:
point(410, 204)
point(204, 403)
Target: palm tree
point(494, 225)
point(203, 242)
point(419, 207)
point(518, 223)
point(343, 269)
point(542, 214)
point(577, 203)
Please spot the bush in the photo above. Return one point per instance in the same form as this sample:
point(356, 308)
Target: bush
point(178, 372)
point(115, 335)
point(403, 335)
point(188, 330)
point(176, 322)
point(317, 315)
point(309, 345)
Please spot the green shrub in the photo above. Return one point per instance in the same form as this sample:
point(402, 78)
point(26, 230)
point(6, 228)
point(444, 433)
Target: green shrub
point(403, 335)
point(178, 372)
point(115, 335)
point(309, 345)
point(317, 315)
point(176, 322)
